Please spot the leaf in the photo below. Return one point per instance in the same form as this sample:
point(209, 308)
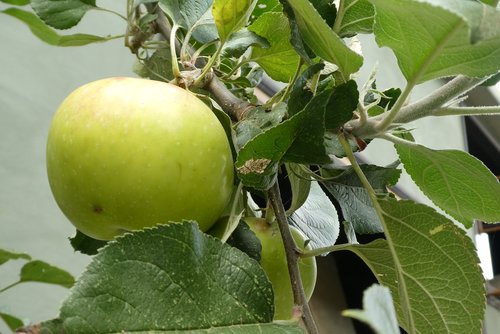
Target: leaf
point(49, 36)
point(85, 244)
point(357, 17)
point(39, 271)
point(323, 40)
point(17, 2)
point(12, 322)
point(62, 14)
point(246, 241)
point(301, 93)
point(326, 10)
point(455, 181)
point(157, 67)
point(317, 218)
point(357, 207)
point(231, 15)
point(300, 184)
point(299, 139)
point(264, 6)
point(185, 13)
point(341, 105)
point(6, 255)
point(170, 277)
point(437, 38)
point(240, 41)
point(280, 60)
point(378, 310)
point(436, 273)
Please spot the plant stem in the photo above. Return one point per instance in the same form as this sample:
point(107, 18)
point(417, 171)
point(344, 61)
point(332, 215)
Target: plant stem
point(405, 302)
point(389, 118)
point(292, 257)
point(9, 286)
point(467, 111)
point(427, 105)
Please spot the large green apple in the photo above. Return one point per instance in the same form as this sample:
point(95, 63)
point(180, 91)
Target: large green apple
point(127, 153)
point(273, 261)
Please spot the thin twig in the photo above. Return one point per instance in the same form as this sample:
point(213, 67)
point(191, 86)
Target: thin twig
point(292, 257)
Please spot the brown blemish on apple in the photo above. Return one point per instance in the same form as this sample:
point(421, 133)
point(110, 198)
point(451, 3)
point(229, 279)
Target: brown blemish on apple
point(97, 208)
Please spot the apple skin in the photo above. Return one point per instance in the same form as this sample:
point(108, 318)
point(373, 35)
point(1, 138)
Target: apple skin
point(273, 261)
point(128, 153)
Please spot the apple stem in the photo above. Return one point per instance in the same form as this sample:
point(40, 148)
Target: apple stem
point(292, 257)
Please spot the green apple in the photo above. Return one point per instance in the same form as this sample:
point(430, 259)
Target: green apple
point(273, 261)
point(127, 153)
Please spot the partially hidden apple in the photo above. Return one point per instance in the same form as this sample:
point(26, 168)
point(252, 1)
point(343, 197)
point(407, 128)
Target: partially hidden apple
point(273, 261)
point(128, 153)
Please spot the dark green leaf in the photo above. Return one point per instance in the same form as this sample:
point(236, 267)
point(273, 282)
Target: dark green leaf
point(317, 219)
point(6, 255)
point(62, 14)
point(309, 144)
point(341, 105)
point(455, 181)
point(356, 204)
point(157, 67)
point(39, 271)
point(296, 39)
point(301, 93)
point(49, 36)
point(322, 39)
point(437, 38)
point(280, 60)
point(240, 41)
point(86, 245)
point(246, 241)
point(389, 97)
point(327, 10)
point(12, 322)
point(171, 277)
point(16, 2)
point(356, 16)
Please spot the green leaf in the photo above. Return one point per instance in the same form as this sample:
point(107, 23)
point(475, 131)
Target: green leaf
point(357, 207)
point(246, 241)
point(6, 255)
point(299, 139)
point(301, 93)
point(455, 181)
point(327, 10)
point(62, 14)
point(157, 67)
point(280, 60)
point(378, 310)
point(323, 40)
point(300, 184)
point(342, 104)
point(16, 2)
point(12, 322)
point(284, 327)
point(171, 277)
point(86, 245)
point(240, 41)
point(49, 36)
point(231, 15)
point(435, 272)
point(185, 13)
point(39, 271)
point(264, 6)
point(317, 218)
point(436, 38)
point(354, 17)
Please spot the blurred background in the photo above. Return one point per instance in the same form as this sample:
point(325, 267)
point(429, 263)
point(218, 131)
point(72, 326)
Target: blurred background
point(35, 78)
